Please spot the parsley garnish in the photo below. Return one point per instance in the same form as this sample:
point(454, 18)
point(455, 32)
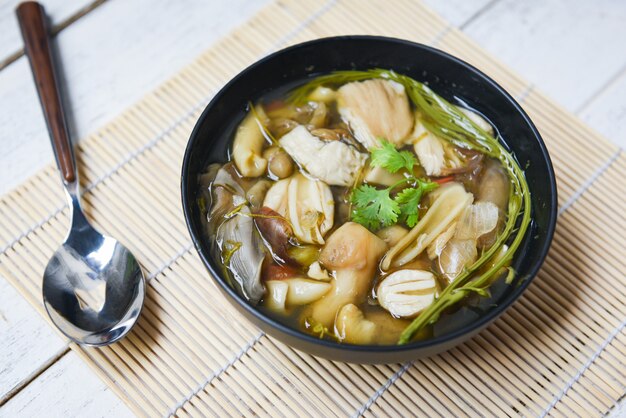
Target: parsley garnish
point(409, 200)
point(375, 208)
point(392, 160)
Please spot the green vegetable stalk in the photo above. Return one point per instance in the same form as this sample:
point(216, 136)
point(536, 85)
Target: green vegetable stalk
point(447, 122)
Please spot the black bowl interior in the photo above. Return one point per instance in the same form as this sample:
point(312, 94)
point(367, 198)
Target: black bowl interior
point(450, 77)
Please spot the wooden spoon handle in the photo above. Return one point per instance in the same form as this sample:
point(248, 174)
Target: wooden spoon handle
point(32, 19)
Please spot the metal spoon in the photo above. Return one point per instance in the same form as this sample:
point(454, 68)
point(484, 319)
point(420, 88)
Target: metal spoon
point(93, 287)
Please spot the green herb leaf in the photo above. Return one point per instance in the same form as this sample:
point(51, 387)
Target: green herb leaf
point(409, 199)
point(373, 208)
point(392, 160)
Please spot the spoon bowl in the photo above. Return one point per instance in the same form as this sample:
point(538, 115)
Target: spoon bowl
point(93, 287)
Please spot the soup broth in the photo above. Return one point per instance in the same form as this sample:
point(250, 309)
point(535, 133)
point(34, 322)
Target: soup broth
point(363, 208)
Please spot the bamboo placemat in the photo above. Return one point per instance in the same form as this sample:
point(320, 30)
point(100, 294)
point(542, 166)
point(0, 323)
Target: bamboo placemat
point(560, 351)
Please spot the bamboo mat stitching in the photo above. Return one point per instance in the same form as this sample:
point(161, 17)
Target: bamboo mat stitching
point(590, 181)
point(524, 94)
point(215, 375)
point(583, 369)
point(441, 35)
point(382, 390)
point(186, 249)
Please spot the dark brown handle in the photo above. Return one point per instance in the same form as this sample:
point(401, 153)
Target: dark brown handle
point(32, 19)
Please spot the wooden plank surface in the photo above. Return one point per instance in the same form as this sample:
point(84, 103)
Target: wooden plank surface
point(60, 12)
point(110, 59)
point(66, 389)
point(27, 342)
point(569, 49)
point(159, 37)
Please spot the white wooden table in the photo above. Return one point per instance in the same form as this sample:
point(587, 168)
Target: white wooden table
point(115, 51)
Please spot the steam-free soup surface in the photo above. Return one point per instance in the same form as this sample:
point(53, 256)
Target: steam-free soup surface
point(348, 211)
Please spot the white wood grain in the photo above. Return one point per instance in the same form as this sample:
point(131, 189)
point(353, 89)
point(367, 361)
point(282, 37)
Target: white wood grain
point(607, 111)
point(27, 340)
point(458, 12)
point(111, 58)
point(568, 48)
point(67, 389)
point(57, 10)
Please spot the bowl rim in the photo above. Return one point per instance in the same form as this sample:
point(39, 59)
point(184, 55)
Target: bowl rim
point(469, 329)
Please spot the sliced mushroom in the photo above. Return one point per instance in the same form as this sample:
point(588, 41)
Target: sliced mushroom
point(380, 176)
point(405, 293)
point(449, 202)
point(333, 162)
point(304, 291)
point(307, 204)
point(248, 148)
point(317, 272)
point(351, 326)
point(352, 253)
point(436, 247)
point(256, 193)
point(494, 187)
point(276, 231)
point(477, 220)
point(392, 234)
point(458, 254)
point(320, 114)
point(276, 295)
point(242, 253)
point(460, 251)
point(376, 109)
point(323, 94)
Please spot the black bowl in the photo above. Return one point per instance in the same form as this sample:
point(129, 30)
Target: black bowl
point(450, 77)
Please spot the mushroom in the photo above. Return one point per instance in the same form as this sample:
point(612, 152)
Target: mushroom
point(304, 291)
point(317, 272)
point(256, 193)
point(242, 253)
point(460, 251)
point(380, 176)
point(449, 203)
point(333, 162)
point(276, 297)
point(392, 234)
point(279, 164)
point(494, 187)
point(351, 326)
point(376, 109)
point(405, 293)
point(352, 253)
point(456, 255)
point(248, 146)
point(307, 204)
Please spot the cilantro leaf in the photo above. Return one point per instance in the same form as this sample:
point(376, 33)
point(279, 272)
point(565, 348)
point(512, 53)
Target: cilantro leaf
point(373, 208)
point(392, 160)
point(408, 201)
